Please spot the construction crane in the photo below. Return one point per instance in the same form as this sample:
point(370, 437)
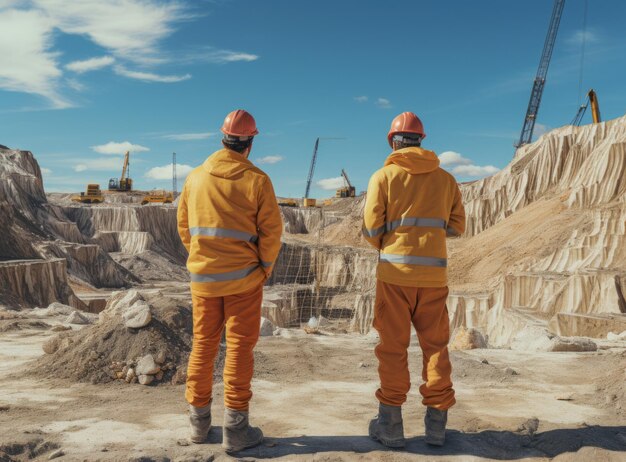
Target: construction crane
point(123, 183)
point(307, 201)
point(540, 79)
point(174, 176)
point(347, 190)
point(592, 99)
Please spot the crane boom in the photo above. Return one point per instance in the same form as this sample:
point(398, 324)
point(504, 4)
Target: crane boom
point(311, 169)
point(540, 79)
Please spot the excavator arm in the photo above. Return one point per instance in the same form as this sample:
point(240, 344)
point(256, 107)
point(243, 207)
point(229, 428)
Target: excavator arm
point(125, 167)
point(595, 107)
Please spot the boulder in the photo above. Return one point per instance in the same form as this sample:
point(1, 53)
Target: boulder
point(146, 379)
point(55, 308)
point(317, 322)
point(464, 338)
point(267, 328)
point(147, 366)
point(138, 315)
point(532, 338)
point(616, 337)
point(573, 344)
point(77, 318)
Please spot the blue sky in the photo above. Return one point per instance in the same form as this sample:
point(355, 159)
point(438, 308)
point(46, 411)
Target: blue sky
point(80, 79)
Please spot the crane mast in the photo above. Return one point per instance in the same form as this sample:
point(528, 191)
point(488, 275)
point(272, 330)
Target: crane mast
point(540, 79)
point(311, 169)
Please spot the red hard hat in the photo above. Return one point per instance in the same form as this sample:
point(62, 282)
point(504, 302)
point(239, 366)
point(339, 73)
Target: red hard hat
point(239, 123)
point(407, 122)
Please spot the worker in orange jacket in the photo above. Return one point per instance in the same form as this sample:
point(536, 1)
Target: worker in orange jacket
point(230, 223)
point(412, 205)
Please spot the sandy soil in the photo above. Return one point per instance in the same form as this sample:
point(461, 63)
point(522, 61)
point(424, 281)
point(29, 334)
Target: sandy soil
point(314, 398)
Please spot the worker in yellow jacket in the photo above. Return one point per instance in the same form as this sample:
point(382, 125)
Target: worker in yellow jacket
point(412, 205)
point(230, 223)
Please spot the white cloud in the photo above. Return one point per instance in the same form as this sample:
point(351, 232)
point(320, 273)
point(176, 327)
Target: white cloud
point(46, 171)
point(28, 64)
point(165, 172)
point(539, 130)
point(91, 64)
point(331, 183)
point(579, 36)
point(453, 158)
point(189, 136)
point(131, 29)
point(474, 171)
point(103, 163)
point(149, 76)
point(75, 85)
point(113, 147)
point(269, 160)
point(227, 56)
point(383, 103)
point(464, 167)
point(361, 99)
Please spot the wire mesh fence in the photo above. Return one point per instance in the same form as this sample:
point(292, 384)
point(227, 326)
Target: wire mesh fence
point(317, 278)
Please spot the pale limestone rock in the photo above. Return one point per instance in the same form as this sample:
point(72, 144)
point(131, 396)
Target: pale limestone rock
point(467, 339)
point(146, 379)
point(147, 366)
point(138, 315)
point(77, 318)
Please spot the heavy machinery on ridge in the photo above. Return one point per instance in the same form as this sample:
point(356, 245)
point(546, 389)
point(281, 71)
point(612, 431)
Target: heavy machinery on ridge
point(158, 196)
point(93, 195)
point(592, 99)
point(123, 183)
point(347, 190)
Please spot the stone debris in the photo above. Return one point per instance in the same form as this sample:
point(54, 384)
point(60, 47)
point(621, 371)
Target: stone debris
point(317, 322)
point(145, 379)
point(77, 318)
point(464, 338)
point(572, 344)
point(56, 454)
point(267, 328)
point(147, 366)
point(616, 337)
point(138, 315)
point(510, 371)
point(529, 427)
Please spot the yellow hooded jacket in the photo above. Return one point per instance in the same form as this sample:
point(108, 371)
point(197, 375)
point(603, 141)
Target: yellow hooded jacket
point(411, 205)
point(230, 223)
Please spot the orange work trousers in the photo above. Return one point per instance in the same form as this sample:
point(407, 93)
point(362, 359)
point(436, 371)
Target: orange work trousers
point(396, 308)
point(241, 314)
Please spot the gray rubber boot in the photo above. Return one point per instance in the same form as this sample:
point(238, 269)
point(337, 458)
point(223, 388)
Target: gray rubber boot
point(435, 423)
point(200, 423)
point(387, 426)
point(238, 434)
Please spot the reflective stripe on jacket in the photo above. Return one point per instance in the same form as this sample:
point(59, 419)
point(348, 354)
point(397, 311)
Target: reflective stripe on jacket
point(229, 221)
point(411, 206)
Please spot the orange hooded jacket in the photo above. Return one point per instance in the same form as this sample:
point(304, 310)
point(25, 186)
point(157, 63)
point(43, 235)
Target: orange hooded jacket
point(411, 205)
point(230, 223)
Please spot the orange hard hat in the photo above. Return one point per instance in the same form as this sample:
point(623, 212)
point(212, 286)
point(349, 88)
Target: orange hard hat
point(407, 122)
point(239, 123)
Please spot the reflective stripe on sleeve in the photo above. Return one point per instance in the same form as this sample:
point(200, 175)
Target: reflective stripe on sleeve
point(222, 232)
point(221, 277)
point(374, 231)
point(413, 260)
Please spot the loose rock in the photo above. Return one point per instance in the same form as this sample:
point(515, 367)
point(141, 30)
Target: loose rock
point(267, 328)
point(138, 315)
point(464, 338)
point(146, 379)
point(77, 318)
point(56, 454)
point(147, 366)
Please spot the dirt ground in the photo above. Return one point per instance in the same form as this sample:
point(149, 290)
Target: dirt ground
point(314, 398)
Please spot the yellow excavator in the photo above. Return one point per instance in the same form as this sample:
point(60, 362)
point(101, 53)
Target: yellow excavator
point(93, 195)
point(122, 183)
point(347, 190)
point(592, 99)
point(288, 203)
point(158, 196)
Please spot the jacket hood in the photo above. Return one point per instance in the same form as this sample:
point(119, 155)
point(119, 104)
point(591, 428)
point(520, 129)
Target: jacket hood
point(414, 160)
point(227, 164)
